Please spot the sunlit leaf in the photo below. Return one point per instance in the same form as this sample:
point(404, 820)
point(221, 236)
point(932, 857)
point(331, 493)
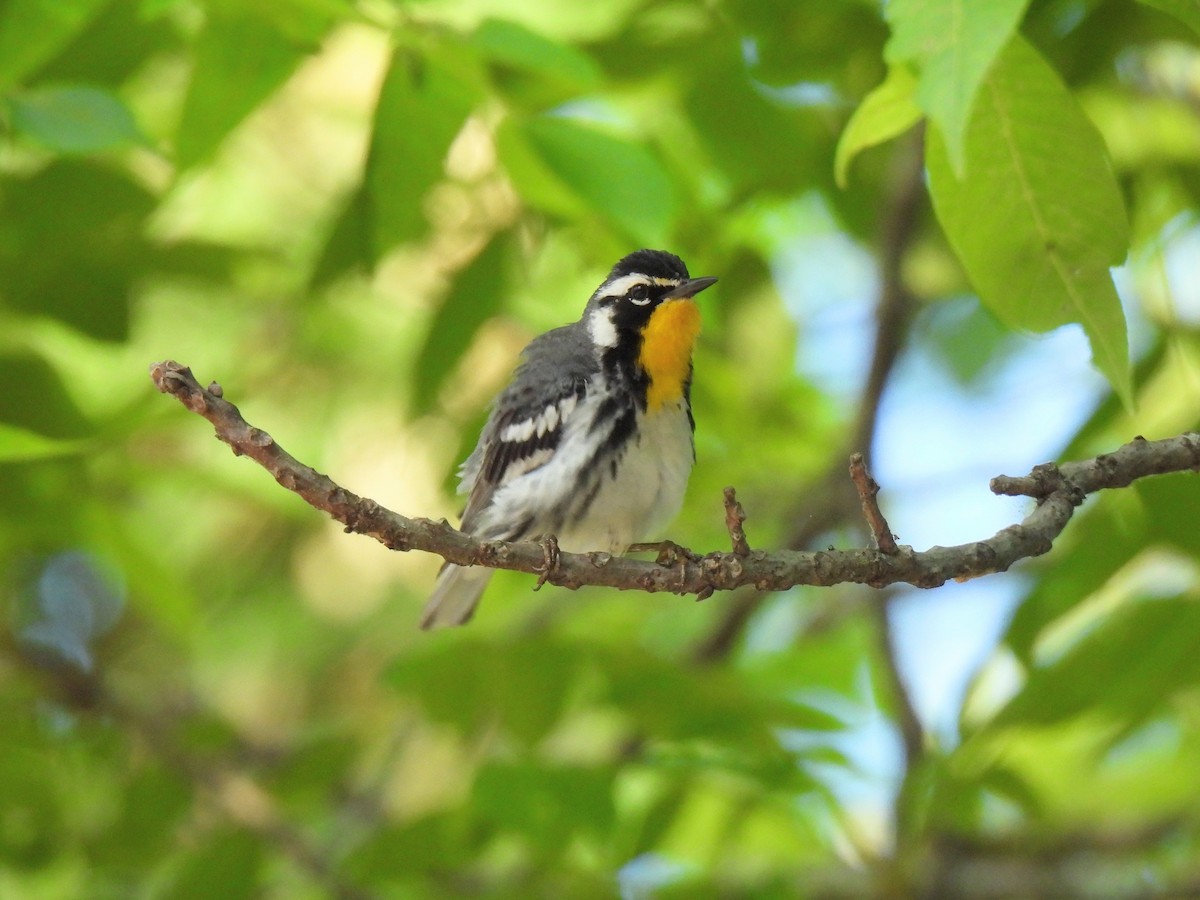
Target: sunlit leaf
point(1102, 540)
point(155, 804)
point(886, 112)
point(1126, 668)
point(953, 44)
point(22, 445)
point(620, 180)
point(30, 796)
point(1037, 219)
point(512, 44)
point(412, 849)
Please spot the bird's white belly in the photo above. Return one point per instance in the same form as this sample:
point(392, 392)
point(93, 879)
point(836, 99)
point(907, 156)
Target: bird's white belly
point(648, 489)
point(644, 495)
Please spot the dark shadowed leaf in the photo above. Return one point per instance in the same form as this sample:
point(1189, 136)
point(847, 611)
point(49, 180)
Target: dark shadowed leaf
point(348, 249)
point(1186, 11)
point(476, 295)
point(72, 261)
point(32, 31)
point(425, 99)
point(33, 399)
point(239, 62)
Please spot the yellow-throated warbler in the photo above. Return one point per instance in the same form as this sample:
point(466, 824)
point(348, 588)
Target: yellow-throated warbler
point(592, 440)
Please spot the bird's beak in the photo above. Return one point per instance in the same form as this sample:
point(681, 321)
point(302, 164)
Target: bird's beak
point(689, 288)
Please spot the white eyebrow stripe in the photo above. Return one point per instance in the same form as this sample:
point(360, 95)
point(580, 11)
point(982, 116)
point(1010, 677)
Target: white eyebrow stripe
point(619, 287)
point(622, 286)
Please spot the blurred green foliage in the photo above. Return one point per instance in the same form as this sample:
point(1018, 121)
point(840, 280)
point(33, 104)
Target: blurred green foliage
point(354, 214)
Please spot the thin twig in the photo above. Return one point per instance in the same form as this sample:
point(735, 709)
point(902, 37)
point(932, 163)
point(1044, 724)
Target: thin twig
point(735, 519)
point(868, 495)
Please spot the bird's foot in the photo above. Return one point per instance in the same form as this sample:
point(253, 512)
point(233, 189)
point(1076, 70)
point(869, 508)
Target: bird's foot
point(669, 552)
point(549, 560)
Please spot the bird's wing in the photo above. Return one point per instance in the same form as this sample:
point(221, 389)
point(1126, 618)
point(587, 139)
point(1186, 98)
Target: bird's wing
point(529, 416)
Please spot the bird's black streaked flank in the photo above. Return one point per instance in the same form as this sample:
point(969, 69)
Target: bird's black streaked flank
point(592, 440)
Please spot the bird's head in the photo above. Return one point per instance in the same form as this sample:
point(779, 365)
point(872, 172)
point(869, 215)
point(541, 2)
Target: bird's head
point(644, 317)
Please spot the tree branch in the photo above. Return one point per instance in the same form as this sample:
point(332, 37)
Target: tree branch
point(683, 573)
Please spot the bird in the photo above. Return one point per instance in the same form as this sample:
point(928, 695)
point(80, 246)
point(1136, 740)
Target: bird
point(592, 441)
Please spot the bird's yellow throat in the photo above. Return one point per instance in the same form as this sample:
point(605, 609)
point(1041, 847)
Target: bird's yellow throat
point(667, 343)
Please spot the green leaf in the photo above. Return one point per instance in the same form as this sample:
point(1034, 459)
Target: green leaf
point(953, 44)
point(966, 338)
point(239, 62)
point(475, 297)
point(71, 260)
point(621, 181)
point(538, 184)
point(756, 143)
point(886, 112)
point(22, 445)
point(1038, 219)
point(425, 99)
point(1102, 540)
point(550, 805)
point(32, 31)
point(226, 865)
point(155, 803)
point(73, 118)
point(1186, 11)
point(391, 852)
point(1128, 668)
point(514, 45)
point(348, 248)
point(34, 403)
point(522, 688)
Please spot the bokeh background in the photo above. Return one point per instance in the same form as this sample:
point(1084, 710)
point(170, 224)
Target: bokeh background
point(353, 215)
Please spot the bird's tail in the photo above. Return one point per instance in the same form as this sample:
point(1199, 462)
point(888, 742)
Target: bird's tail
point(455, 596)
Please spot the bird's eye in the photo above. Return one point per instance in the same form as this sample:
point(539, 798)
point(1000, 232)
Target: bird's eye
point(639, 294)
